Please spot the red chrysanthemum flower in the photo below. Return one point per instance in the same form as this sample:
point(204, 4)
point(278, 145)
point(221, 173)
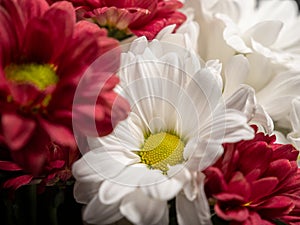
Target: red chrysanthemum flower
point(255, 182)
point(123, 18)
point(43, 56)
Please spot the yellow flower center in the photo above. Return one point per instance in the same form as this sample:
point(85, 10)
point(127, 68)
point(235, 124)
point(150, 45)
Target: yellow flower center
point(41, 76)
point(162, 149)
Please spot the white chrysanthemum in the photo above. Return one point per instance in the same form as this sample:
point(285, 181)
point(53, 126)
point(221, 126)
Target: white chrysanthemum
point(268, 34)
point(274, 99)
point(176, 128)
point(268, 38)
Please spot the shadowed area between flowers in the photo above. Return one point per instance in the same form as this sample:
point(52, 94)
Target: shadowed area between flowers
point(55, 206)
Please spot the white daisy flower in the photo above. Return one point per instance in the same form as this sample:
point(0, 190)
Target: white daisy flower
point(176, 128)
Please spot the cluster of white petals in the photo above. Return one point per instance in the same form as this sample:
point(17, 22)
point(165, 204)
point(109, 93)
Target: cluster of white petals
point(261, 41)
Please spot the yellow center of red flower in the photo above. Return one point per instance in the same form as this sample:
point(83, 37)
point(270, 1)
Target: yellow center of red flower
point(39, 75)
point(162, 149)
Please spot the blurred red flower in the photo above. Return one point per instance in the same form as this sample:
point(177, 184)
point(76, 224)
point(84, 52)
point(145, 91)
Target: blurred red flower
point(43, 56)
point(255, 182)
point(125, 17)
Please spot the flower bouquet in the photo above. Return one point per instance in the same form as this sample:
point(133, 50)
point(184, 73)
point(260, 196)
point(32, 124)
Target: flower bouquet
point(149, 112)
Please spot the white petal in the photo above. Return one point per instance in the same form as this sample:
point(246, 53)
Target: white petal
point(288, 37)
point(102, 163)
point(278, 10)
point(203, 94)
point(237, 43)
point(262, 119)
point(181, 39)
point(165, 218)
point(84, 192)
point(230, 8)
point(166, 189)
point(128, 134)
point(236, 72)
point(142, 210)
point(229, 125)
point(190, 147)
point(205, 154)
point(112, 192)
point(236, 128)
point(215, 67)
point(193, 212)
point(295, 114)
point(166, 31)
point(136, 176)
point(155, 50)
point(207, 84)
point(265, 32)
point(154, 93)
point(191, 189)
point(97, 213)
point(138, 45)
point(211, 41)
point(277, 96)
point(294, 136)
point(278, 58)
point(232, 35)
point(243, 100)
point(260, 71)
point(190, 30)
point(280, 138)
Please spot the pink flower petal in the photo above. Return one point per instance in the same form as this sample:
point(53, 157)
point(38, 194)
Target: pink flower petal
point(17, 182)
point(255, 219)
point(33, 156)
point(239, 214)
point(56, 164)
point(249, 159)
point(263, 187)
point(280, 168)
point(215, 182)
point(8, 37)
point(239, 185)
point(58, 133)
point(276, 206)
point(9, 166)
point(230, 197)
point(286, 152)
point(17, 130)
point(253, 175)
point(62, 18)
point(150, 5)
point(32, 8)
point(39, 45)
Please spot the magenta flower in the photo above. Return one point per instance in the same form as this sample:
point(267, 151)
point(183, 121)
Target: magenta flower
point(122, 18)
point(43, 55)
point(255, 182)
